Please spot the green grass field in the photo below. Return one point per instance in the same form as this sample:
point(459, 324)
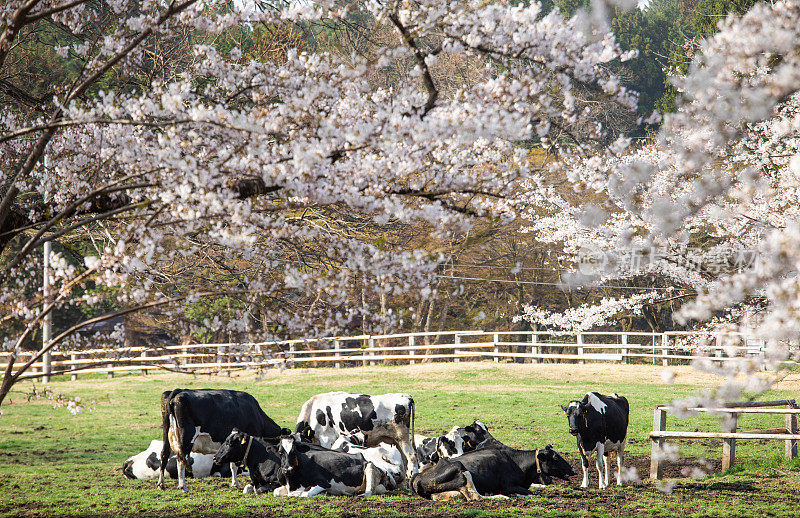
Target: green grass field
point(54, 463)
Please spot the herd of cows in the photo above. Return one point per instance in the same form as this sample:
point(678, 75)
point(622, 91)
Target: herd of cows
point(349, 444)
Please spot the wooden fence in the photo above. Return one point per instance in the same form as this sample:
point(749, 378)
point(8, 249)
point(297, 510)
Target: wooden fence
point(406, 348)
point(728, 435)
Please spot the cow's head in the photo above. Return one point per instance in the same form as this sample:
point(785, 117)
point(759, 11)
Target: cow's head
point(575, 412)
point(475, 434)
point(461, 440)
point(233, 449)
point(552, 465)
point(290, 450)
point(450, 445)
point(304, 431)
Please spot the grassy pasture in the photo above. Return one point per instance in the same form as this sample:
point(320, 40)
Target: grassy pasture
point(54, 463)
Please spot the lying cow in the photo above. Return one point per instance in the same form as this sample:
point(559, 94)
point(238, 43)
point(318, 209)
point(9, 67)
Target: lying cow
point(308, 470)
point(146, 465)
point(367, 420)
point(600, 424)
point(454, 443)
point(491, 471)
point(200, 420)
point(259, 456)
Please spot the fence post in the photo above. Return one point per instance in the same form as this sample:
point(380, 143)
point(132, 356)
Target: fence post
point(496, 339)
point(144, 355)
point(534, 348)
point(659, 425)
point(290, 360)
point(74, 376)
point(457, 341)
point(624, 340)
point(336, 353)
point(110, 373)
point(729, 445)
point(665, 350)
point(791, 427)
point(653, 343)
point(580, 347)
point(411, 343)
point(371, 347)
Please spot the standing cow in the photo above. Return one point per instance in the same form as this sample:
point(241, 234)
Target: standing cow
point(361, 419)
point(200, 420)
point(600, 424)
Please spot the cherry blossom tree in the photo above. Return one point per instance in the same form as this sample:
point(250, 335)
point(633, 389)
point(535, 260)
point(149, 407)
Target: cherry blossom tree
point(235, 160)
point(724, 167)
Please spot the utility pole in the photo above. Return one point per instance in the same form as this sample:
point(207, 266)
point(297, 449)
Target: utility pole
point(47, 322)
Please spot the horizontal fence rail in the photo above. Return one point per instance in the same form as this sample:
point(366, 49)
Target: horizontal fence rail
point(729, 435)
point(670, 348)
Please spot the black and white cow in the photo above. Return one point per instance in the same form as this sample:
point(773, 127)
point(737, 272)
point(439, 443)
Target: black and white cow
point(308, 470)
point(490, 471)
point(361, 419)
point(600, 424)
point(260, 456)
point(454, 443)
point(200, 420)
point(147, 465)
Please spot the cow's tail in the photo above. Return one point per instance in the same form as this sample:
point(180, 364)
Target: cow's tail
point(165, 412)
point(411, 411)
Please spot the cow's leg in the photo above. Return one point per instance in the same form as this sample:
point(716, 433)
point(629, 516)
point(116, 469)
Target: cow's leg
point(372, 476)
point(469, 490)
point(584, 465)
point(234, 481)
point(182, 476)
point(606, 462)
point(281, 491)
point(410, 465)
point(520, 491)
point(249, 488)
point(600, 465)
point(314, 491)
point(446, 495)
point(620, 452)
point(165, 452)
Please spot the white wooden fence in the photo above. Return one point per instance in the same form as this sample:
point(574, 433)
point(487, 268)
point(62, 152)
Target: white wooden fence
point(407, 348)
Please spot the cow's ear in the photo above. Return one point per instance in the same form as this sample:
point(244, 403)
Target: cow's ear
point(564, 408)
point(286, 431)
point(302, 447)
point(548, 447)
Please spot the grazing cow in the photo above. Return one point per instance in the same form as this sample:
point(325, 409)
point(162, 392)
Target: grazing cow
point(386, 458)
point(308, 470)
point(600, 424)
point(200, 420)
point(260, 456)
point(361, 419)
point(146, 465)
point(490, 471)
